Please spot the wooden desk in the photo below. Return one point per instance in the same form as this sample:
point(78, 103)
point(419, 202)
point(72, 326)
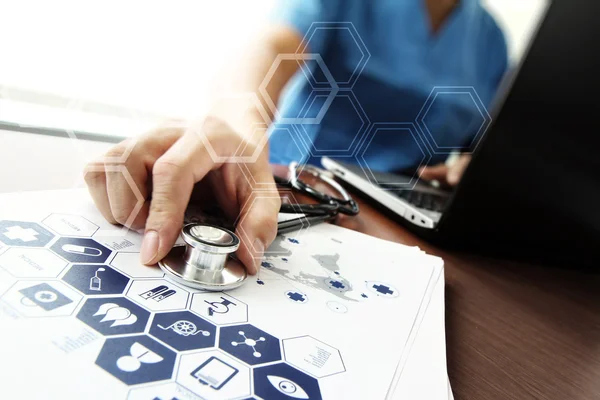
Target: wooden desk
point(513, 331)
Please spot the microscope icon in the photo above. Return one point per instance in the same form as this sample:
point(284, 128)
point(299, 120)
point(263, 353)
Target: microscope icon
point(219, 307)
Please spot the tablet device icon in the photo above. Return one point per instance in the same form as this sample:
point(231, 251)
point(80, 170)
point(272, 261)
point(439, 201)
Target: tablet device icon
point(214, 372)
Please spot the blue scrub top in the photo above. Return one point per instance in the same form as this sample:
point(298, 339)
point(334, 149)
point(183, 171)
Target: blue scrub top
point(407, 61)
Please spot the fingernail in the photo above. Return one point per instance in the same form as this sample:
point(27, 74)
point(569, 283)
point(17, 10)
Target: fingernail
point(259, 248)
point(149, 247)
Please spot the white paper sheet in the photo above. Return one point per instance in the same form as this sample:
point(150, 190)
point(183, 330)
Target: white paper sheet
point(329, 316)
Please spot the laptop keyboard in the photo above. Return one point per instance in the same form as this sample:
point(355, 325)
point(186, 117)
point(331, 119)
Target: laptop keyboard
point(427, 201)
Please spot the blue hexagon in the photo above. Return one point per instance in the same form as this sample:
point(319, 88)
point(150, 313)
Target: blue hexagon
point(393, 128)
point(282, 381)
point(183, 330)
point(250, 344)
point(136, 359)
point(96, 279)
point(346, 36)
point(81, 250)
point(449, 113)
point(28, 234)
point(113, 315)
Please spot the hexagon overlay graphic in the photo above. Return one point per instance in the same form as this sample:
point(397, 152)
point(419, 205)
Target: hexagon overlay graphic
point(136, 359)
point(42, 299)
point(284, 382)
point(165, 391)
point(113, 315)
point(183, 330)
point(387, 181)
point(444, 123)
point(70, 225)
point(219, 308)
point(249, 344)
point(129, 264)
point(81, 250)
point(313, 356)
point(158, 294)
point(96, 279)
point(214, 375)
point(349, 36)
point(32, 263)
point(28, 234)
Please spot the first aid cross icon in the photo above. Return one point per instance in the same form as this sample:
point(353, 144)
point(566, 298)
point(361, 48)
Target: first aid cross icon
point(18, 233)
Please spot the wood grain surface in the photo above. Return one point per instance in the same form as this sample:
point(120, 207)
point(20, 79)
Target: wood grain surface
point(513, 330)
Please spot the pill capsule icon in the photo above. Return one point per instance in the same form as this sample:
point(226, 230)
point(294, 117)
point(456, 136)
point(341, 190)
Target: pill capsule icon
point(81, 250)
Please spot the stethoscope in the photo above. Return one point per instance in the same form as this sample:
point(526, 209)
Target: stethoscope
point(207, 260)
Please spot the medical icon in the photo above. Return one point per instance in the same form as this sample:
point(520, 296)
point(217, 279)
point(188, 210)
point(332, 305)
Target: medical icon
point(95, 281)
point(117, 314)
point(28, 234)
point(136, 359)
point(159, 293)
point(45, 296)
point(81, 250)
point(382, 289)
point(184, 328)
point(250, 343)
point(214, 372)
point(138, 355)
point(219, 307)
point(287, 387)
point(296, 297)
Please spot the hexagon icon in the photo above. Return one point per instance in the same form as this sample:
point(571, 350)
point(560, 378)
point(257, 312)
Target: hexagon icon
point(28, 234)
point(42, 299)
point(96, 279)
point(165, 391)
point(219, 308)
point(6, 281)
point(214, 375)
point(32, 263)
point(348, 36)
point(371, 151)
point(113, 315)
point(313, 356)
point(81, 250)
point(129, 264)
point(136, 359)
point(448, 114)
point(284, 382)
point(249, 344)
point(183, 330)
point(131, 243)
point(70, 225)
point(158, 294)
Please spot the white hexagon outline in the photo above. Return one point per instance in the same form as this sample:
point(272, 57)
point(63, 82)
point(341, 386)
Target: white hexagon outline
point(297, 57)
point(123, 230)
point(306, 372)
point(360, 44)
point(251, 366)
point(304, 223)
point(414, 132)
point(236, 158)
point(188, 393)
point(187, 354)
point(73, 215)
point(189, 308)
point(256, 186)
point(420, 119)
point(356, 141)
point(131, 277)
point(48, 249)
point(130, 286)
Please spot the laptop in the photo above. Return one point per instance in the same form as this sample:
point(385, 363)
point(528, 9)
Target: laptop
point(532, 188)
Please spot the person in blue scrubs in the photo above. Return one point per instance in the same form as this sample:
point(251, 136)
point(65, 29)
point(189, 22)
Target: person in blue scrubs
point(414, 46)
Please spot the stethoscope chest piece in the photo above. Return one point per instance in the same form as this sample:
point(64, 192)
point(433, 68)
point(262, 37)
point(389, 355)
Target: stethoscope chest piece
point(205, 262)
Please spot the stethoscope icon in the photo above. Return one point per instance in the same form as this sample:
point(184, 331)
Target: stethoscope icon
point(206, 261)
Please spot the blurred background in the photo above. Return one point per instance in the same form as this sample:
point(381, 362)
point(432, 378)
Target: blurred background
point(118, 67)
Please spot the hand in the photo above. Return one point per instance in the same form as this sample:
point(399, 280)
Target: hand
point(172, 162)
point(446, 174)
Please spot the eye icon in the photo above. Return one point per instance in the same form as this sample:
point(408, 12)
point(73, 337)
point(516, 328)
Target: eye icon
point(287, 387)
